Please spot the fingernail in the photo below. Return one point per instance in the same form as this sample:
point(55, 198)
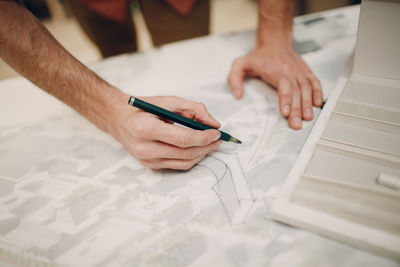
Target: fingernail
point(296, 121)
point(238, 93)
point(286, 110)
point(318, 101)
point(308, 113)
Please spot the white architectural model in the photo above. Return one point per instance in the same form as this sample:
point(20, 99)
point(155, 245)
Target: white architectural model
point(346, 182)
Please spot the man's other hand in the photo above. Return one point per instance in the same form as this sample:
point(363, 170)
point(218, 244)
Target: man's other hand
point(283, 68)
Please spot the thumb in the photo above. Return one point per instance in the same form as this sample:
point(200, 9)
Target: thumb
point(236, 77)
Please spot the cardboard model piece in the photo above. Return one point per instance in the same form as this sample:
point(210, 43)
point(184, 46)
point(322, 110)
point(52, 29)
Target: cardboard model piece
point(346, 182)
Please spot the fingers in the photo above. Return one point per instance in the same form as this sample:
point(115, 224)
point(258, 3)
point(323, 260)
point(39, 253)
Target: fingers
point(148, 127)
point(236, 77)
point(316, 90)
point(169, 157)
point(306, 98)
point(290, 101)
point(295, 117)
point(285, 96)
point(190, 109)
point(202, 115)
point(155, 150)
point(175, 164)
point(283, 68)
point(183, 137)
point(296, 98)
point(159, 144)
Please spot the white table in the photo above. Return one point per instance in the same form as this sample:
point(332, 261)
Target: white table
point(72, 196)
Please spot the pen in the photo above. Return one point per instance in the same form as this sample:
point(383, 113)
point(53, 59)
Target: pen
point(171, 116)
point(324, 102)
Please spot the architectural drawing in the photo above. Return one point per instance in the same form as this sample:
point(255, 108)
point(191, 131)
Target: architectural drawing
point(80, 191)
point(70, 195)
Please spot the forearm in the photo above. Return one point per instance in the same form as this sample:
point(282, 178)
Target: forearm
point(27, 46)
point(275, 20)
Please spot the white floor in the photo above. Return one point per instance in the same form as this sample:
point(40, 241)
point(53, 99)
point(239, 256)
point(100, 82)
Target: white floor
point(226, 16)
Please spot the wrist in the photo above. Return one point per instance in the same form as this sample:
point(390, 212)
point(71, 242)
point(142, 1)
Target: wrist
point(106, 106)
point(275, 23)
point(274, 38)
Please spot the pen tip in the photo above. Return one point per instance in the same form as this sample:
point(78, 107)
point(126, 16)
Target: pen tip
point(234, 140)
point(324, 102)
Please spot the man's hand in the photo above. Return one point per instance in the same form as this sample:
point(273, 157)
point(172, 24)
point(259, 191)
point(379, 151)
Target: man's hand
point(30, 49)
point(283, 68)
point(160, 144)
point(275, 61)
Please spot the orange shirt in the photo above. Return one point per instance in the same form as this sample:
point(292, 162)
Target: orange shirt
point(115, 9)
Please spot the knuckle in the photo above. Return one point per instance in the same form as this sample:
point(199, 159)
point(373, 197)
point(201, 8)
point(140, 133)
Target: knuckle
point(295, 111)
point(305, 87)
point(306, 107)
point(317, 96)
point(306, 69)
point(172, 99)
point(306, 98)
point(237, 61)
point(182, 140)
point(176, 98)
point(306, 103)
point(200, 107)
point(317, 91)
point(316, 84)
point(203, 107)
point(139, 151)
point(141, 129)
point(205, 138)
point(284, 95)
point(287, 69)
point(310, 75)
point(296, 90)
point(187, 154)
point(134, 126)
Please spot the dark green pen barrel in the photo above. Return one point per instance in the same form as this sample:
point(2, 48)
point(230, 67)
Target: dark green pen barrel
point(166, 114)
point(224, 136)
